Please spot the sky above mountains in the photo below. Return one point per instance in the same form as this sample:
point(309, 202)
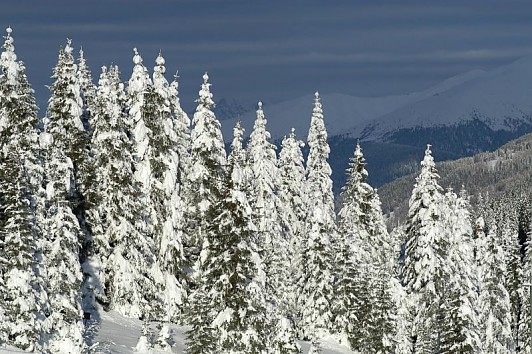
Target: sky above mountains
point(276, 50)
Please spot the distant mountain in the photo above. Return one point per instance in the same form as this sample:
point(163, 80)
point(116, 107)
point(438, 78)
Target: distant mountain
point(230, 109)
point(498, 173)
point(466, 114)
point(501, 99)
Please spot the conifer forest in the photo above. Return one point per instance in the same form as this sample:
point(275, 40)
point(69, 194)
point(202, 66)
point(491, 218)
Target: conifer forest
point(115, 199)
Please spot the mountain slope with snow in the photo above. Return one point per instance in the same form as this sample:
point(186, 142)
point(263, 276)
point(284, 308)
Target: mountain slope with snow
point(501, 99)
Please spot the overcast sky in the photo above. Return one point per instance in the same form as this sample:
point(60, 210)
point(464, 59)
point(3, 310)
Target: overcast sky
point(276, 50)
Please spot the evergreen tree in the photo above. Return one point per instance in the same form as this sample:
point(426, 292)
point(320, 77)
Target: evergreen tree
point(364, 305)
point(316, 284)
point(292, 198)
point(63, 122)
point(263, 165)
point(21, 288)
point(423, 271)
point(166, 196)
point(122, 254)
point(65, 109)
point(459, 298)
point(61, 251)
point(204, 181)
point(19, 132)
point(138, 86)
point(494, 300)
point(228, 310)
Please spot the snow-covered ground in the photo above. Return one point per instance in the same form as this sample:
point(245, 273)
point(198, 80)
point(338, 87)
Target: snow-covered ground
point(113, 333)
point(110, 332)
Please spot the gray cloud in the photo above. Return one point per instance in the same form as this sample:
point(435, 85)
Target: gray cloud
point(277, 50)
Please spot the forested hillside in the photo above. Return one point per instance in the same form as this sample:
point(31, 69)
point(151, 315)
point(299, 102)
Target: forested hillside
point(493, 175)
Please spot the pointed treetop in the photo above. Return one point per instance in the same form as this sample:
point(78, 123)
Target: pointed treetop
point(292, 137)
point(237, 154)
point(160, 60)
point(358, 151)
point(8, 46)
point(103, 78)
point(261, 120)
point(68, 47)
point(8, 59)
point(428, 161)
point(137, 59)
point(238, 134)
point(317, 111)
point(82, 61)
point(238, 130)
point(205, 95)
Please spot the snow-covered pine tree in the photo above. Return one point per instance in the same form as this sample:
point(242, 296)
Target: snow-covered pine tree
point(263, 165)
point(271, 244)
point(423, 271)
point(63, 122)
point(292, 198)
point(137, 89)
point(316, 284)
point(21, 291)
point(121, 252)
point(61, 249)
point(364, 306)
point(149, 113)
point(228, 310)
point(87, 91)
point(21, 288)
point(459, 327)
point(494, 315)
point(166, 195)
point(18, 115)
point(384, 323)
point(204, 180)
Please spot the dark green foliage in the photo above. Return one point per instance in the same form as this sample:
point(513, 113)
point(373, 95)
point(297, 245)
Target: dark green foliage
point(227, 311)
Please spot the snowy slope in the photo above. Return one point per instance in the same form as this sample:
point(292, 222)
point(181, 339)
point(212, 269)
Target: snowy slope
point(341, 112)
point(113, 333)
